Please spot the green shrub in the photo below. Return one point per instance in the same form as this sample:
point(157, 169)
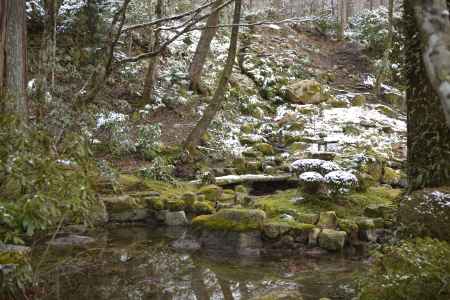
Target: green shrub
point(148, 141)
point(418, 269)
point(160, 169)
point(37, 187)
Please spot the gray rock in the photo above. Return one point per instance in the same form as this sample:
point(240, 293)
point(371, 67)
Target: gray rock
point(332, 240)
point(176, 218)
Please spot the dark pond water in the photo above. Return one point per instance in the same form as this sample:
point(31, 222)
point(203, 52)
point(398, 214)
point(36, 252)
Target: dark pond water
point(137, 262)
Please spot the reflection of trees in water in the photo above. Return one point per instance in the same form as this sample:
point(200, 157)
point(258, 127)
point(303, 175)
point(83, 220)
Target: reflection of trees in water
point(141, 266)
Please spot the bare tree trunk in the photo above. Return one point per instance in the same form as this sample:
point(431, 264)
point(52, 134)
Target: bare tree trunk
point(195, 136)
point(342, 12)
point(2, 45)
point(151, 75)
point(203, 48)
point(387, 48)
point(428, 134)
point(15, 57)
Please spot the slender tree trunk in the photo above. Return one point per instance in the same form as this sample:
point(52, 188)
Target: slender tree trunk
point(2, 45)
point(152, 70)
point(428, 134)
point(387, 48)
point(203, 48)
point(15, 56)
point(200, 129)
point(342, 12)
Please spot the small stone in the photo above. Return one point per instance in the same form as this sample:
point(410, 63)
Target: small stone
point(287, 218)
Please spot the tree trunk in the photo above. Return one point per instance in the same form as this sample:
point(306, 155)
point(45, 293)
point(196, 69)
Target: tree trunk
point(151, 75)
point(385, 64)
point(2, 45)
point(14, 49)
point(200, 129)
point(342, 15)
point(428, 135)
point(203, 47)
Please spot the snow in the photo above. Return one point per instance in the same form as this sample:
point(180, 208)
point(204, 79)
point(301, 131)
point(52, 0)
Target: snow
point(342, 178)
point(110, 117)
point(316, 165)
point(311, 177)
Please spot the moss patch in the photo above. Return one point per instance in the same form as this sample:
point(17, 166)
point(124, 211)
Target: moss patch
point(238, 220)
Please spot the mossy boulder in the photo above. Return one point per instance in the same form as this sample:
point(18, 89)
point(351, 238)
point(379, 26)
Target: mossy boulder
point(211, 192)
point(379, 211)
point(202, 208)
point(305, 92)
point(391, 176)
point(238, 220)
point(247, 128)
point(359, 100)
point(155, 203)
point(265, 148)
point(189, 198)
point(307, 218)
point(332, 240)
point(175, 205)
point(274, 229)
point(312, 183)
point(127, 183)
point(328, 220)
point(125, 208)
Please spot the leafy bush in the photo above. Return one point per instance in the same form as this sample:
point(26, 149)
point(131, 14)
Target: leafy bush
point(160, 169)
point(37, 188)
point(370, 28)
point(418, 269)
point(114, 132)
point(148, 140)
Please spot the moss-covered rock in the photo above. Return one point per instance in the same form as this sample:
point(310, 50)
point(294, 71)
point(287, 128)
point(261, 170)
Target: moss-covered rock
point(189, 198)
point(239, 220)
point(155, 203)
point(332, 240)
point(391, 176)
point(211, 192)
point(125, 208)
point(307, 218)
point(14, 254)
point(359, 100)
point(175, 205)
point(202, 208)
point(327, 220)
point(305, 92)
point(265, 148)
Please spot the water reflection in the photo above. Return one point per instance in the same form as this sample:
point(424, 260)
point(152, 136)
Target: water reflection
point(137, 263)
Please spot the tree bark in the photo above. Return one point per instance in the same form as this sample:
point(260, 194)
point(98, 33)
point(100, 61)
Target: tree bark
point(428, 134)
point(203, 48)
point(200, 129)
point(2, 45)
point(342, 15)
point(151, 75)
point(14, 49)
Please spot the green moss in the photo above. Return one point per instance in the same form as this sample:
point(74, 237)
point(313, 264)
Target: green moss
point(129, 183)
point(347, 225)
point(211, 192)
point(238, 220)
point(175, 205)
point(265, 148)
point(202, 208)
point(349, 206)
point(155, 203)
point(189, 198)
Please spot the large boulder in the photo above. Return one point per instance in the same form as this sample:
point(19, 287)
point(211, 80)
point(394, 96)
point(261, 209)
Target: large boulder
point(305, 92)
point(211, 192)
point(328, 220)
point(332, 240)
point(126, 208)
point(176, 218)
